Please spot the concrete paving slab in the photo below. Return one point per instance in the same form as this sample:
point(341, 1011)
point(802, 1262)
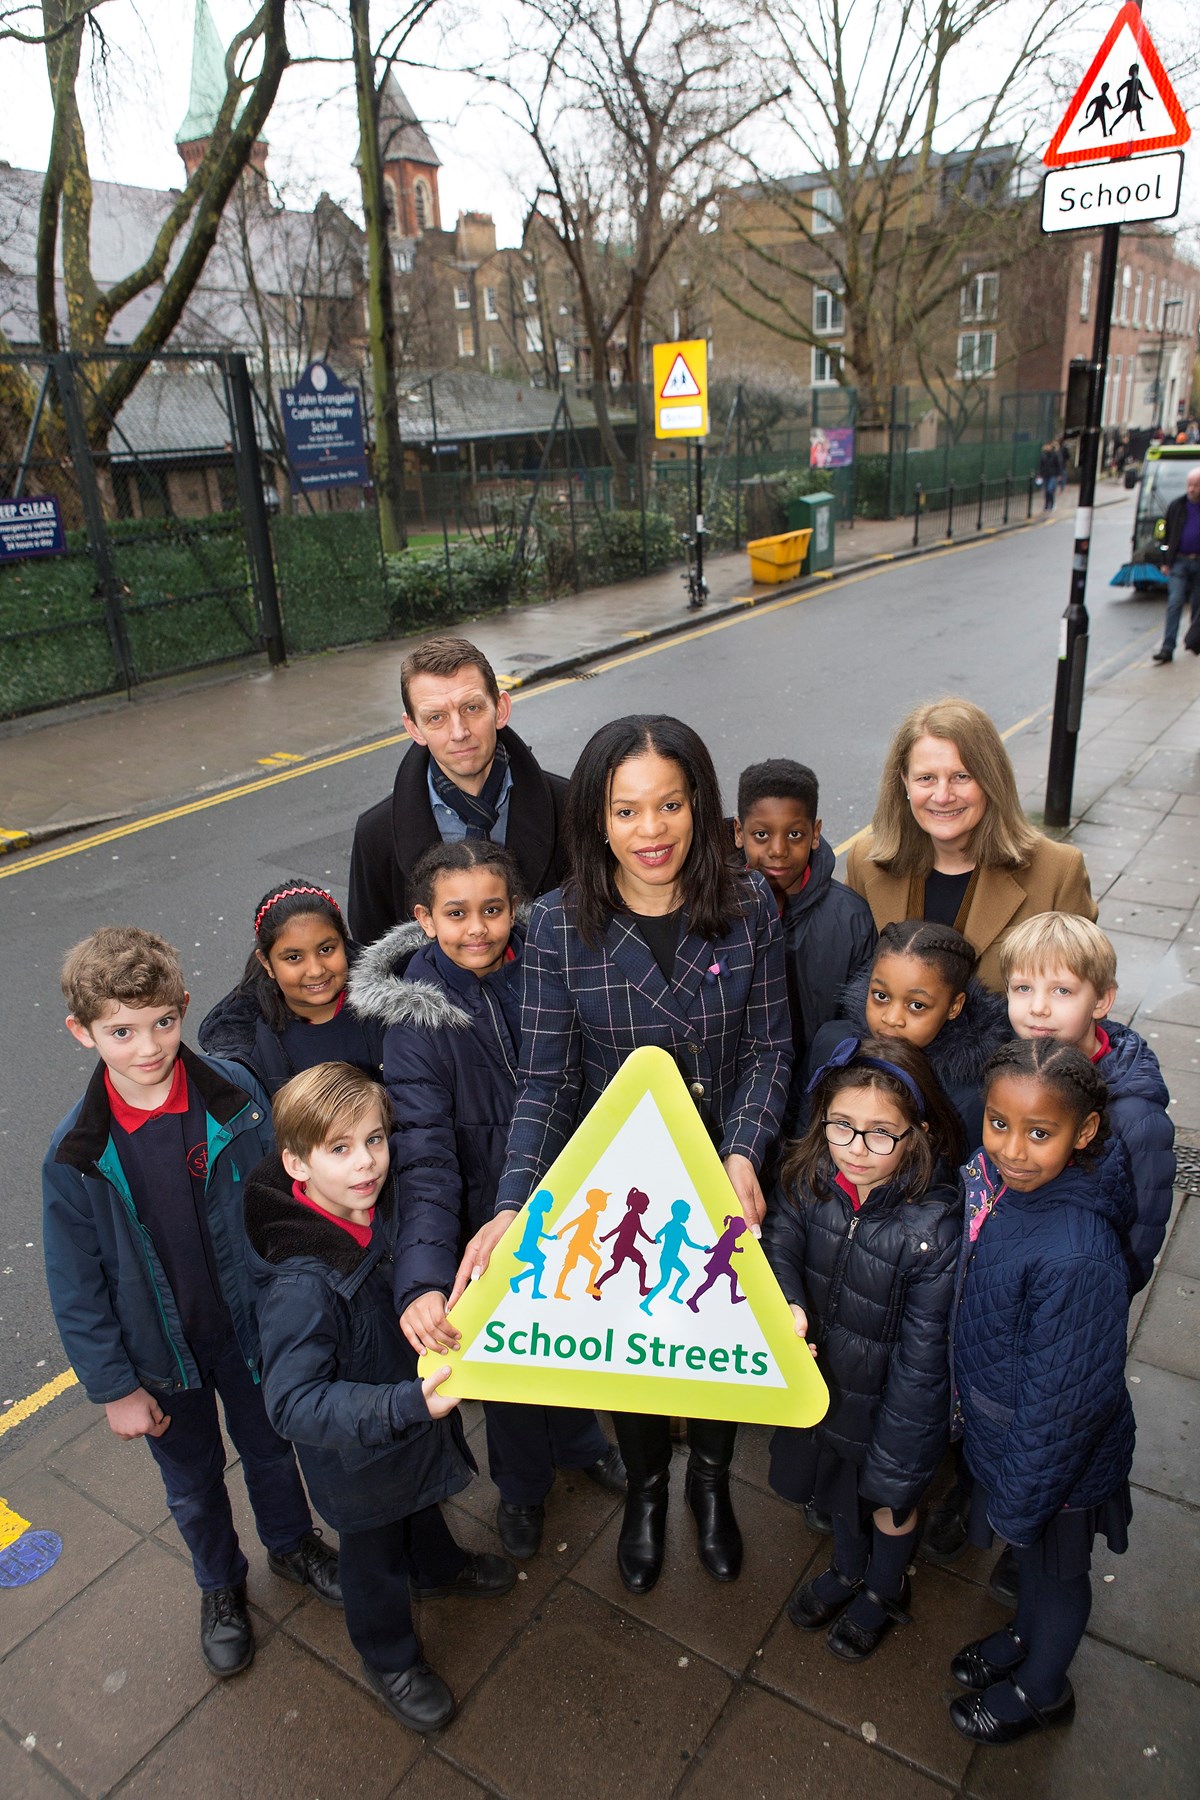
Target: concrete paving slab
point(111, 1673)
point(23, 1774)
point(92, 1542)
point(1178, 769)
point(1157, 890)
point(1169, 1334)
point(751, 1460)
point(1157, 800)
point(1149, 1607)
point(433, 1778)
point(590, 1698)
point(723, 1621)
point(1167, 1408)
point(1182, 1256)
point(576, 1509)
point(764, 1747)
point(1141, 819)
point(1136, 1732)
point(1188, 806)
point(902, 1688)
point(1176, 1046)
point(1135, 918)
point(121, 1478)
point(1184, 1106)
point(1179, 1005)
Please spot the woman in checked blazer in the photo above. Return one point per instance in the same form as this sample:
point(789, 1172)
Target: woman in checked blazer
point(655, 938)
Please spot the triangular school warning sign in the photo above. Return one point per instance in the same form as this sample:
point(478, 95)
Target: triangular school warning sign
point(630, 1282)
point(680, 384)
point(1125, 104)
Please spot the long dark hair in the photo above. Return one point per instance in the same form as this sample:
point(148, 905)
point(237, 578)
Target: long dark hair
point(708, 882)
point(463, 853)
point(808, 1164)
point(1067, 1072)
point(292, 899)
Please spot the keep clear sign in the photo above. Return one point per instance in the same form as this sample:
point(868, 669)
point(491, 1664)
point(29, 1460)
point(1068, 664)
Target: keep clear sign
point(323, 427)
point(630, 1281)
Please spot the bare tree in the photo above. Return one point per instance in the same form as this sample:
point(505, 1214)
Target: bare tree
point(905, 171)
point(184, 236)
point(633, 112)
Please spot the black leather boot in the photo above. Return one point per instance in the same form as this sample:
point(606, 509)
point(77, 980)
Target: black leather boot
point(643, 1533)
point(718, 1539)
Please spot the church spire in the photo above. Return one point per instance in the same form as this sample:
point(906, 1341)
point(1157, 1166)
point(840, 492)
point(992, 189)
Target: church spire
point(206, 94)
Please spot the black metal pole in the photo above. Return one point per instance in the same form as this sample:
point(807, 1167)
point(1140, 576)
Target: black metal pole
point(31, 436)
point(255, 528)
point(737, 491)
point(1073, 642)
point(699, 521)
point(93, 517)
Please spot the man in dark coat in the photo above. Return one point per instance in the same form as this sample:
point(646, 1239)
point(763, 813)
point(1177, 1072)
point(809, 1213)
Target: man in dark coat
point(1181, 563)
point(466, 774)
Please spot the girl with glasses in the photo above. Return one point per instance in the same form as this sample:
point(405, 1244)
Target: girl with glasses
point(863, 1236)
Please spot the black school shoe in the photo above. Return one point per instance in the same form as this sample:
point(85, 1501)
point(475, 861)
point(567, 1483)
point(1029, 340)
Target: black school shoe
point(226, 1635)
point(481, 1576)
point(311, 1564)
point(854, 1643)
point(974, 1720)
point(971, 1668)
point(608, 1471)
point(816, 1520)
point(520, 1529)
point(808, 1612)
point(417, 1697)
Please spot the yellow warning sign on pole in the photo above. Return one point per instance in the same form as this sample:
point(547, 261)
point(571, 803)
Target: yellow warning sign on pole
point(681, 389)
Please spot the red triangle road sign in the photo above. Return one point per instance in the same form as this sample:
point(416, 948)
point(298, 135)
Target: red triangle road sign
point(680, 384)
point(1124, 105)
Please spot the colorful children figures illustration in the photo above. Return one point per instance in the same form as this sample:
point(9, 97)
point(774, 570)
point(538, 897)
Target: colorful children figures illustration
point(627, 1234)
point(673, 1237)
point(583, 1246)
point(533, 1237)
point(720, 1263)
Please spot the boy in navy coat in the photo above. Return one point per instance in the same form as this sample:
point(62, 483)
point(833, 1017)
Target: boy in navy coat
point(144, 1262)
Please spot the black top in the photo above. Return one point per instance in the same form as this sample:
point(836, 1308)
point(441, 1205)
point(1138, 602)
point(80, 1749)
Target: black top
point(660, 934)
point(944, 895)
point(340, 1039)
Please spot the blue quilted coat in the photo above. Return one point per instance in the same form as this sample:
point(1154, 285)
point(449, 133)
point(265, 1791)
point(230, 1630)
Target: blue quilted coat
point(1137, 1114)
point(1039, 1342)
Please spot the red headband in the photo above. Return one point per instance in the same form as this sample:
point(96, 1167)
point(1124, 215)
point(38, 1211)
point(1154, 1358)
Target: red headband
point(286, 894)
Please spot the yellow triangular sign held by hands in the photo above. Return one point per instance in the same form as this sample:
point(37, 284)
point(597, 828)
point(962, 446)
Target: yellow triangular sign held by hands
point(630, 1282)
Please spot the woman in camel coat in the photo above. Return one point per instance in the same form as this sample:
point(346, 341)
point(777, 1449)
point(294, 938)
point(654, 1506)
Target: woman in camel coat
point(950, 843)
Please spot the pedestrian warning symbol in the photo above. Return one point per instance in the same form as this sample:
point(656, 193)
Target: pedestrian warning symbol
point(681, 389)
point(630, 1281)
point(1125, 104)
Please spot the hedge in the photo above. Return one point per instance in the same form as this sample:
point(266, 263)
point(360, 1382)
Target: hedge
point(331, 579)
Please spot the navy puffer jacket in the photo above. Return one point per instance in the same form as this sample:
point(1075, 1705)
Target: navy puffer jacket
point(957, 1055)
point(1137, 1113)
point(877, 1286)
point(339, 1380)
point(235, 1028)
point(450, 1054)
point(1039, 1344)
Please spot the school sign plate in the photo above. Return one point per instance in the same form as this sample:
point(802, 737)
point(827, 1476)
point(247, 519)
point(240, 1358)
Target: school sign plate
point(630, 1282)
point(1084, 198)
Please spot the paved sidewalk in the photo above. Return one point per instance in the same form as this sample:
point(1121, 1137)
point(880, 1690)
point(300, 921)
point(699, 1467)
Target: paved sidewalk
point(116, 758)
point(567, 1686)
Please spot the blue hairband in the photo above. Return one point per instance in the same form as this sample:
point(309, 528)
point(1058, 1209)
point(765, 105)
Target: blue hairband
point(848, 1052)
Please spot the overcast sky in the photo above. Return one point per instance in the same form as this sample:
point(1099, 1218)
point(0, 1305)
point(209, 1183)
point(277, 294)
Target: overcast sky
point(312, 129)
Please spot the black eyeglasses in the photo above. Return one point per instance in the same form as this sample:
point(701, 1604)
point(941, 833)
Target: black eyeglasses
point(881, 1142)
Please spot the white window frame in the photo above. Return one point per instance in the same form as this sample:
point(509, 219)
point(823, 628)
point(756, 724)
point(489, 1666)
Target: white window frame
point(827, 361)
point(533, 336)
point(495, 358)
point(826, 210)
point(564, 355)
point(979, 296)
point(1150, 302)
point(1137, 300)
point(490, 310)
point(1126, 292)
point(970, 370)
point(529, 289)
point(466, 340)
point(422, 203)
point(462, 297)
point(829, 311)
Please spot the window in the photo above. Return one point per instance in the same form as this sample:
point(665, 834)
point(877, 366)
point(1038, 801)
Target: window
point(495, 357)
point(826, 210)
point(1137, 299)
point(978, 296)
point(1085, 286)
point(828, 312)
point(466, 340)
point(402, 261)
point(976, 355)
point(529, 290)
point(564, 356)
point(1116, 304)
point(533, 336)
point(1113, 396)
point(462, 297)
point(826, 364)
point(1126, 292)
point(389, 204)
point(1150, 303)
point(421, 205)
point(489, 303)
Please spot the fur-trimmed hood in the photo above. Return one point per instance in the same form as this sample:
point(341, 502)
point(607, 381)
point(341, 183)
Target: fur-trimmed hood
point(959, 1052)
point(381, 987)
point(281, 1231)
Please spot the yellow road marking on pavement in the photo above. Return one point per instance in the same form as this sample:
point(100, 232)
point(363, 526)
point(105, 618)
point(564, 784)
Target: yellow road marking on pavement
point(12, 1525)
point(278, 758)
point(21, 1409)
point(13, 840)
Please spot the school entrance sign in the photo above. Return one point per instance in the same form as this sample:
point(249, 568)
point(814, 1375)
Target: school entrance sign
point(630, 1282)
point(1125, 104)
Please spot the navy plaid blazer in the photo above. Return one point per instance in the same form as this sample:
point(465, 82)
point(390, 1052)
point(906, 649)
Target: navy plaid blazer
point(585, 1008)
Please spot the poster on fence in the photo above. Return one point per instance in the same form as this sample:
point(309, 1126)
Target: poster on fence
point(831, 447)
point(629, 1280)
point(323, 429)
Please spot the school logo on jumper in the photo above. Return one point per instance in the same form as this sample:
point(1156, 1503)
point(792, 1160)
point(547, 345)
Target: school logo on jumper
point(630, 1280)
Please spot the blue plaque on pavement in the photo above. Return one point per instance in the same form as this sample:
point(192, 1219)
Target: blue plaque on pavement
point(31, 527)
point(322, 422)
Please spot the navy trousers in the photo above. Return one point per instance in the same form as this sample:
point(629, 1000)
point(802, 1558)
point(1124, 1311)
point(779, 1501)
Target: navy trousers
point(376, 1570)
point(191, 1458)
point(526, 1444)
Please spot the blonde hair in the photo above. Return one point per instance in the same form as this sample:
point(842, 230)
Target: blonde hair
point(311, 1108)
point(1059, 940)
point(121, 965)
point(1003, 839)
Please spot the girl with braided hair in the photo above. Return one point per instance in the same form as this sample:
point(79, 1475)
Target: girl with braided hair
point(290, 1010)
point(1038, 1360)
